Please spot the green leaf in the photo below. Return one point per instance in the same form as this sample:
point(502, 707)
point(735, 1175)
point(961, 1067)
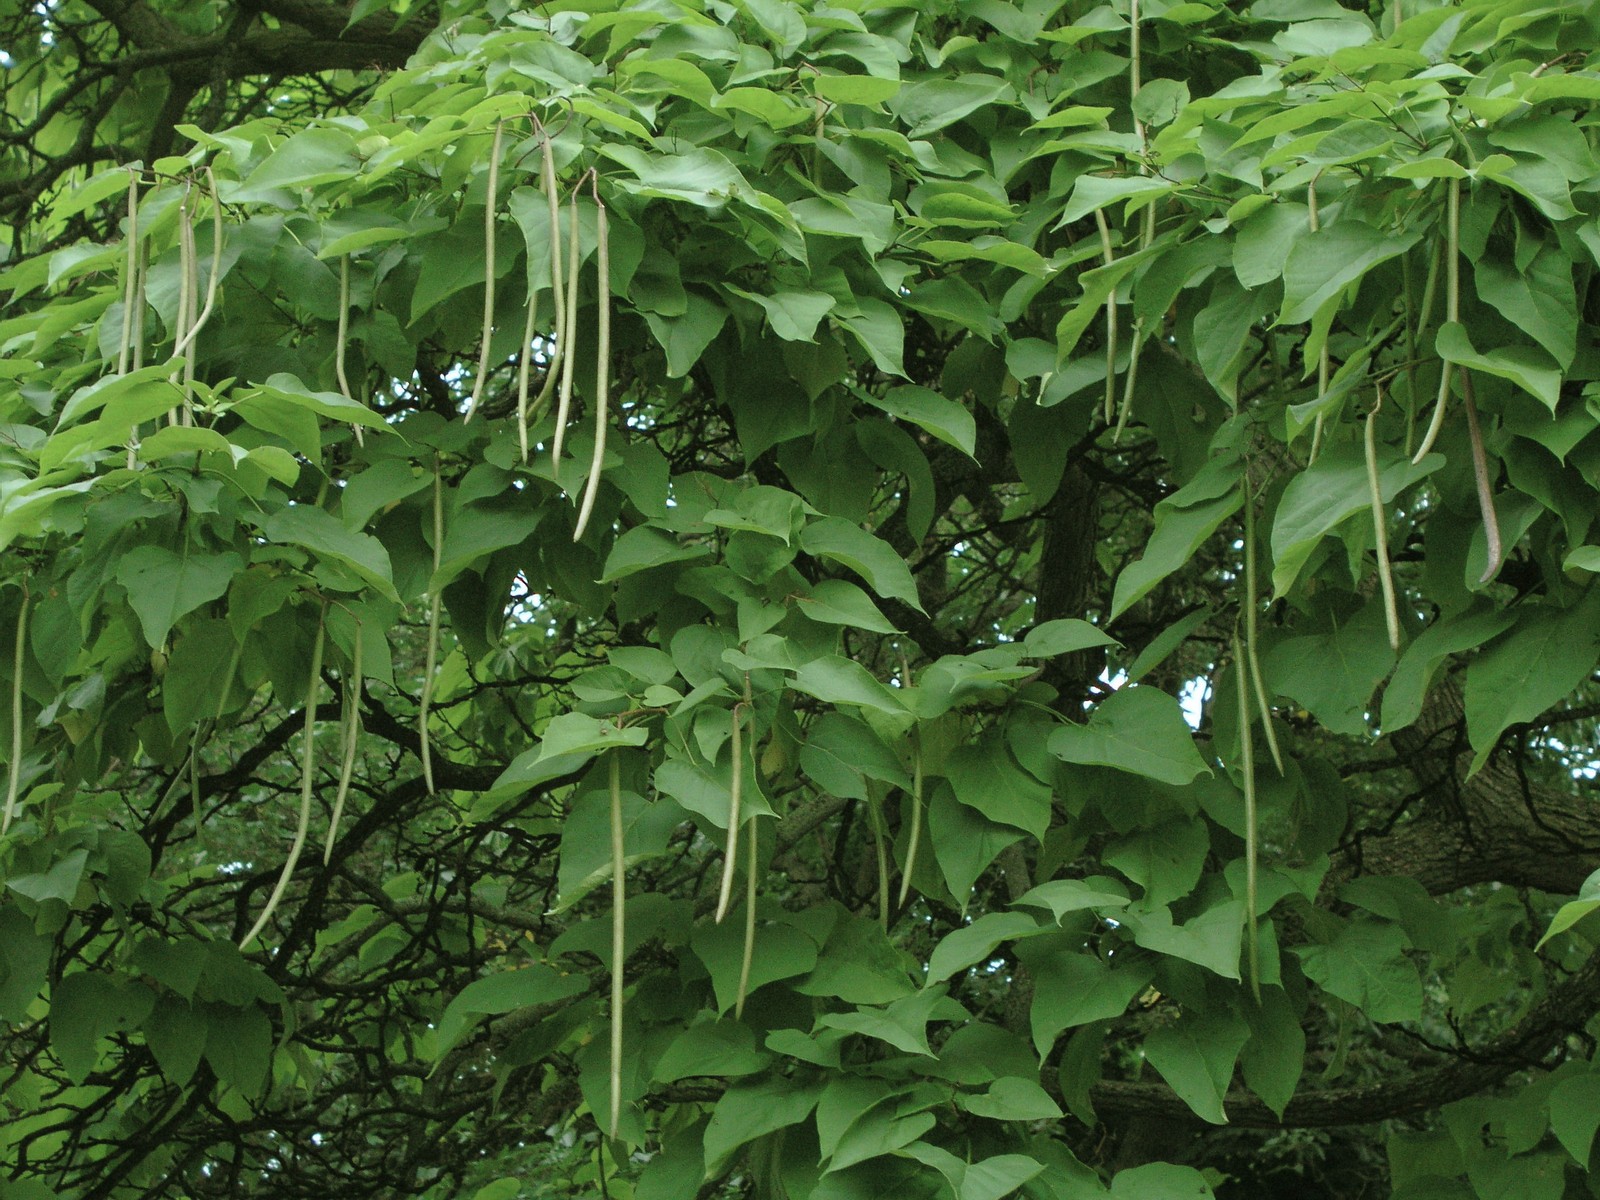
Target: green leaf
point(586, 839)
point(1160, 1181)
point(1529, 369)
point(1322, 264)
point(781, 952)
point(839, 680)
point(239, 1046)
point(751, 1110)
point(1212, 940)
point(60, 882)
point(1184, 520)
point(1570, 913)
point(924, 407)
point(1064, 636)
point(965, 842)
point(1524, 672)
point(976, 942)
point(839, 602)
point(984, 776)
point(1011, 1098)
point(1329, 492)
point(793, 315)
point(1365, 964)
point(164, 587)
point(1575, 1115)
point(643, 547)
point(1274, 1056)
point(903, 1024)
point(870, 557)
point(84, 1007)
point(841, 753)
point(1072, 989)
point(866, 90)
point(1138, 729)
point(1196, 1057)
point(1334, 674)
point(327, 537)
point(289, 390)
point(526, 987)
point(176, 1034)
point(724, 1048)
point(1063, 896)
point(1408, 686)
point(881, 332)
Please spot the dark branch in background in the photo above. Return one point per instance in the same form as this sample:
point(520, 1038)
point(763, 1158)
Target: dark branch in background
point(311, 41)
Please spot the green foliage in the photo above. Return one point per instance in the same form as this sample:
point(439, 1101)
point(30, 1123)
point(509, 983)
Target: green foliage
point(893, 358)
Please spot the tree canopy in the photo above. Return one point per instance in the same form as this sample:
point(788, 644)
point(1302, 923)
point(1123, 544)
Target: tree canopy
point(941, 599)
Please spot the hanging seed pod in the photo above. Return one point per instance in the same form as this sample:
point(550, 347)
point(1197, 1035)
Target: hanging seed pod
point(307, 777)
point(488, 270)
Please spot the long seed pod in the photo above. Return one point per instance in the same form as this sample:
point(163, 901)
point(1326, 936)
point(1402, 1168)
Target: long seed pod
point(915, 836)
point(180, 327)
point(190, 317)
point(1480, 475)
point(751, 891)
point(1129, 382)
point(735, 799)
point(137, 356)
point(602, 369)
point(1380, 532)
point(307, 777)
point(18, 660)
point(569, 334)
point(619, 937)
point(1452, 310)
point(880, 843)
point(139, 306)
point(1247, 768)
point(130, 280)
point(199, 319)
point(343, 333)
point(524, 369)
point(1323, 364)
point(432, 661)
point(1251, 642)
point(350, 734)
point(341, 338)
point(548, 185)
point(488, 269)
point(1107, 257)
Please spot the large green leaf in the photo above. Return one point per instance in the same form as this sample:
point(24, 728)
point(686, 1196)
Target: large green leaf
point(1138, 729)
point(1522, 673)
point(164, 586)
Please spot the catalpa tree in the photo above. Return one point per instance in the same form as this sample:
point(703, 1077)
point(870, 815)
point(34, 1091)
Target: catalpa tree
point(938, 599)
